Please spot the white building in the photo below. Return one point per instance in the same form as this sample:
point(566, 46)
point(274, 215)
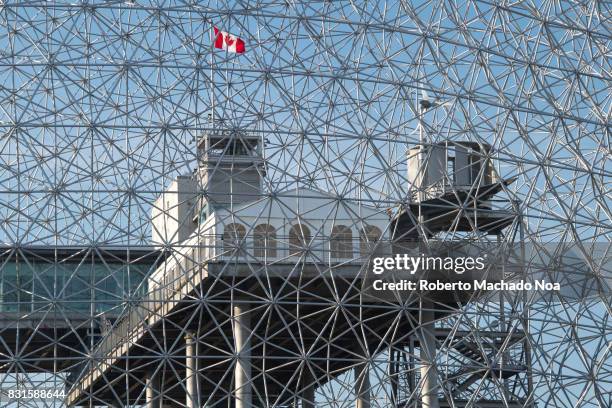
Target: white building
point(220, 215)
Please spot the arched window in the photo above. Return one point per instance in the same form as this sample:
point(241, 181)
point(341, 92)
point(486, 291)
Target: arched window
point(233, 235)
point(369, 241)
point(341, 242)
point(264, 240)
point(299, 238)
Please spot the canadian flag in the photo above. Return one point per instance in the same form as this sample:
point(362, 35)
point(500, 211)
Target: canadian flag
point(229, 42)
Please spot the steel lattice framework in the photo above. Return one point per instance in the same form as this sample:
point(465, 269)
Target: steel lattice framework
point(104, 104)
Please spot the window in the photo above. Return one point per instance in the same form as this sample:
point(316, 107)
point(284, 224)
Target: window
point(369, 241)
point(475, 164)
point(341, 242)
point(450, 170)
point(264, 241)
point(299, 237)
point(233, 235)
point(191, 261)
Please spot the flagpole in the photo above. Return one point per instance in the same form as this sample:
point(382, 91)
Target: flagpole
point(212, 82)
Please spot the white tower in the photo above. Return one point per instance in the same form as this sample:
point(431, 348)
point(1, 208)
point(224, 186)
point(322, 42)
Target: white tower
point(230, 170)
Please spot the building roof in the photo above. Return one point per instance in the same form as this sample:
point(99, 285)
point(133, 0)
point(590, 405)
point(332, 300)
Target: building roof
point(309, 203)
point(120, 254)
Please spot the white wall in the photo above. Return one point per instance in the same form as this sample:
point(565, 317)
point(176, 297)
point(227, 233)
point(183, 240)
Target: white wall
point(172, 212)
point(320, 213)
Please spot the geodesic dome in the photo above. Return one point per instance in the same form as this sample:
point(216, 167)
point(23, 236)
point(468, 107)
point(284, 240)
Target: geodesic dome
point(105, 104)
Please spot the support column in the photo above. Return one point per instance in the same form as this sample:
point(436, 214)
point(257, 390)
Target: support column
point(152, 393)
point(362, 386)
point(526, 314)
point(411, 366)
point(393, 370)
point(429, 379)
point(308, 393)
point(191, 371)
point(242, 372)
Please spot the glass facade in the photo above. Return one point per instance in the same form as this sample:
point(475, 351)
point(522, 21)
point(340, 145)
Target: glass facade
point(87, 284)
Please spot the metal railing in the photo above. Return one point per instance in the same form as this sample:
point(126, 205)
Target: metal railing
point(440, 188)
point(138, 311)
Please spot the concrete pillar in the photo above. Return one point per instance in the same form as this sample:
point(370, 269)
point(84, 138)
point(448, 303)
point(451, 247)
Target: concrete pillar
point(152, 391)
point(393, 370)
point(429, 379)
point(362, 386)
point(308, 392)
point(191, 371)
point(242, 371)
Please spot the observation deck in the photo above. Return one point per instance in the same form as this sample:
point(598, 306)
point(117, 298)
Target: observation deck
point(453, 189)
